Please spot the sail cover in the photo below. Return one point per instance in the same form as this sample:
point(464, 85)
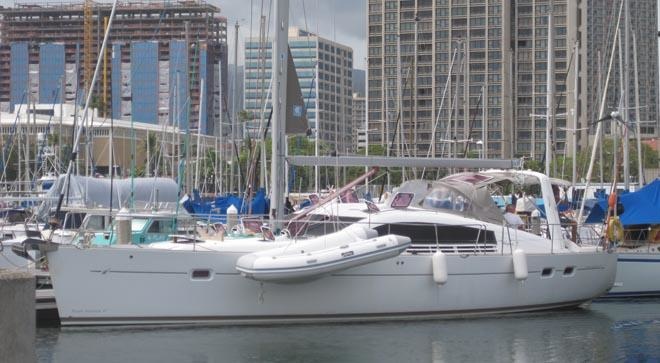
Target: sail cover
point(639, 208)
point(88, 192)
point(296, 113)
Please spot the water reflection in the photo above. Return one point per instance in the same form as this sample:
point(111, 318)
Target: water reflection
point(603, 332)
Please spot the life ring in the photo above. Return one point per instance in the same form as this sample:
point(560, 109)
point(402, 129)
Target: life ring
point(654, 235)
point(614, 229)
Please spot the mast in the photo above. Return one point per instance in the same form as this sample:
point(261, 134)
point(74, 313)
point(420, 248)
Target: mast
point(640, 164)
point(280, 68)
point(233, 109)
point(600, 92)
point(442, 102)
point(601, 112)
point(60, 137)
point(620, 113)
point(199, 136)
point(387, 130)
point(263, 92)
point(575, 112)
point(484, 125)
point(317, 118)
point(626, 99)
point(413, 93)
point(187, 169)
point(148, 166)
point(399, 100)
point(220, 165)
point(78, 132)
point(550, 91)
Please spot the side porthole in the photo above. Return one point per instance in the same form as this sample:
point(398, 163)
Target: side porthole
point(569, 271)
point(547, 272)
point(201, 274)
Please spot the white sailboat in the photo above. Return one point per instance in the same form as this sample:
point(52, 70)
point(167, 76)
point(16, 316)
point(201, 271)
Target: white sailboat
point(439, 262)
point(405, 261)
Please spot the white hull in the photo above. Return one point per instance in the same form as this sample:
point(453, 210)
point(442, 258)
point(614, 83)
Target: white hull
point(637, 275)
point(157, 288)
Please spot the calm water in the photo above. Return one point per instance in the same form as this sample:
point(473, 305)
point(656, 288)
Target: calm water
point(605, 331)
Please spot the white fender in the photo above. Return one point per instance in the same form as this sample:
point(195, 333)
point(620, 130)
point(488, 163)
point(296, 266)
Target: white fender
point(439, 263)
point(520, 265)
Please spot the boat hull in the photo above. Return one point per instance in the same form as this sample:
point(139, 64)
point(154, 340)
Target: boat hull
point(109, 286)
point(637, 275)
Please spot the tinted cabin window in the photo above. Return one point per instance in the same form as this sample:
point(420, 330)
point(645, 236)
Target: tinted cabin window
point(155, 227)
point(320, 225)
point(74, 220)
point(15, 216)
point(96, 223)
point(160, 226)
point(426, 233)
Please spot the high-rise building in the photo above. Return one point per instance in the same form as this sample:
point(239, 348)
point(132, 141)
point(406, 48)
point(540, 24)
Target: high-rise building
point(470, 61)
point(438, 63)
point(324, 70)
point(360, 131)
point(595, 27)
point(150, 73)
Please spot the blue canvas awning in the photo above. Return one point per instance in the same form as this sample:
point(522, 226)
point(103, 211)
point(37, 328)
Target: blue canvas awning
point(640, 207)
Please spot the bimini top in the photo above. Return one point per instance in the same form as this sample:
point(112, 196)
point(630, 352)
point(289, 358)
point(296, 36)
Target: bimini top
point(465, 195)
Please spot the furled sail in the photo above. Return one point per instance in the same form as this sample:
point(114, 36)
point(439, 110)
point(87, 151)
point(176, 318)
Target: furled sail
point(296, 113)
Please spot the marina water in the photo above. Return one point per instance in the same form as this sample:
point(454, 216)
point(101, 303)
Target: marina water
point(620, 330)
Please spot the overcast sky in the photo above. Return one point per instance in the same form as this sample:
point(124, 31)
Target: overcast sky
point(342, 21)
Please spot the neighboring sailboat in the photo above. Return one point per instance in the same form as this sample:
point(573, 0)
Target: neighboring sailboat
point(637, 238)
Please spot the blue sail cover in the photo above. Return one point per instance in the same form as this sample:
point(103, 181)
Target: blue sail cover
point(215, 210)
point(640, 207)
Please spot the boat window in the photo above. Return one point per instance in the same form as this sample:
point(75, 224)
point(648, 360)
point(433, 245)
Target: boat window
point(73, 220)
point(160, 226)
point(320, 225)
point(446, 234)
point(96, 223)
point(200, 274)
point(14, 216)
point(137, 224)
point(446, 198)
